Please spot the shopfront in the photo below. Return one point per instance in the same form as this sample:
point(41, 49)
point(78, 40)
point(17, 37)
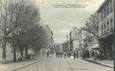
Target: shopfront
point(105, 45)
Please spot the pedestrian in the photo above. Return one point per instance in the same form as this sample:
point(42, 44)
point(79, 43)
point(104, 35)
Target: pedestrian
point(69, 54)
point(65, 54)
point(47, 54)
point(95, 55)
point(75, 55)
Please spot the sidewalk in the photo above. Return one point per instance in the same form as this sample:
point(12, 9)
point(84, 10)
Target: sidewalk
point(14, 66)
point(107, 63)
point(20, 65)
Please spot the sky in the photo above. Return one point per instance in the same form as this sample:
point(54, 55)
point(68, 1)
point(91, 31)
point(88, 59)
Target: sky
point(61, 19)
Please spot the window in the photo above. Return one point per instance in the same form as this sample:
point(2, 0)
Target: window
point(102, 15)
point(102, 29)
point(111, 22)
point(107, 8)
point(104, 12)
point(110, 5)
point(104, 26)
point(107, 25)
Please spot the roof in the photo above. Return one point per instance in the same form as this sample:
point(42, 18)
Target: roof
point(102, 5)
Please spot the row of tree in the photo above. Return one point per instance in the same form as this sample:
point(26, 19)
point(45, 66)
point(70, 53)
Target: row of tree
point(19, 26)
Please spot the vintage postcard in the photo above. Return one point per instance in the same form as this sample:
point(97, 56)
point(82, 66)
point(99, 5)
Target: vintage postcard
point(57, 35)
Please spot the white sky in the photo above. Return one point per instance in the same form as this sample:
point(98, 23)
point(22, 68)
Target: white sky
point(62, 20)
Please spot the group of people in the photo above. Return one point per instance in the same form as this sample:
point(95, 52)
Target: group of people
point(74, 54)
point(95, 54)
point(67, 54)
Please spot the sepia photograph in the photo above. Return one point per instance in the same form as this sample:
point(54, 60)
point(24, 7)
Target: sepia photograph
point(57, 35)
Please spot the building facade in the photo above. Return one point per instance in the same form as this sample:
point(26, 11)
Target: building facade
point(101, 25)
point(74, 38)
point(74, 41)
point(106, 26)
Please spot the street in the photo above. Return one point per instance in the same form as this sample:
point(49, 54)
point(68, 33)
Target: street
point(53, 63)
point(57, 35)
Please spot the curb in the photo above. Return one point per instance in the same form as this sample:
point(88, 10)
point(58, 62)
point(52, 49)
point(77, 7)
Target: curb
point(98, 63)
point(26, 65)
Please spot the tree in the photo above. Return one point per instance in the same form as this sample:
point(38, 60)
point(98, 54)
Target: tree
point(93, 29)
point(26, 15)
point(4, 23)
point(37, 37)
point(21, 27)
point(15, 16)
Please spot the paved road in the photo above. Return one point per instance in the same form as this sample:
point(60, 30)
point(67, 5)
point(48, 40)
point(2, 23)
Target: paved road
point(53, 63)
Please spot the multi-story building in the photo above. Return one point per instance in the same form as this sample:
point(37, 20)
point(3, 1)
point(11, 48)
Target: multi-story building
point(49, 37)
point(77, 37)
point(74, 38)
point(101, 28)
point(106, 26)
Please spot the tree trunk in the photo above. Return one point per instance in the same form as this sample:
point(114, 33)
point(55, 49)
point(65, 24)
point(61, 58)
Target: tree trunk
point(4, 52)
point(26, 51)
point(21, 52)
point(14, 54)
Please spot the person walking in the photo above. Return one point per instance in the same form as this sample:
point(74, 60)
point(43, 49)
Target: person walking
point(95, 55)
point(75, 54)
point(47, 54)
